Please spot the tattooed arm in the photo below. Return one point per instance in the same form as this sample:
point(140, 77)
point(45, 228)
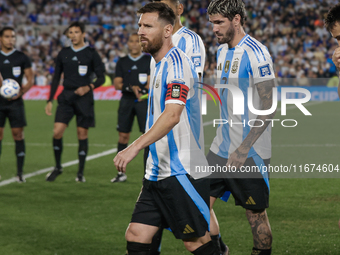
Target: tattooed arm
point(239, 156)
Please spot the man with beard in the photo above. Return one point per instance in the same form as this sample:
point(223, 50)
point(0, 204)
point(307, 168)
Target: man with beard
point(132, 78)
point(332, 24)
point(14, 65)
point(245, 63)
point(192, 45)
point(170, 196)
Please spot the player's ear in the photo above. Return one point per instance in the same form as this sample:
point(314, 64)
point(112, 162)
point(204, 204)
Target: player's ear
point(236, 20)
point(180, 9)
point(168, 30)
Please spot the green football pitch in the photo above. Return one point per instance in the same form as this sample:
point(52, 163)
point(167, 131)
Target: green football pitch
point(65, 217)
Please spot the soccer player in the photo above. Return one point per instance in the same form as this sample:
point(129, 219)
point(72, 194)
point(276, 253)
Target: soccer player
point(192, 45)
point(14, 65)
point(185, 39)
point(243, 62)
point(78, 63)
point(132, 78)
point(170, 196)
point(332, 24)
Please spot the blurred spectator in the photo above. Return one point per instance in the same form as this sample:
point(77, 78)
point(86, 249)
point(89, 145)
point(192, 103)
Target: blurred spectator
point(293, 31)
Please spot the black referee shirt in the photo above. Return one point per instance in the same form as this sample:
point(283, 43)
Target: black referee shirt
point(12, 66)
point(134, 71)
point(78, 67)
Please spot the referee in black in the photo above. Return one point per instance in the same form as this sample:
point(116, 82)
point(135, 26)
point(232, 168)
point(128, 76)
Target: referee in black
point(132, 78)
point(14, 65)
point(78, 63)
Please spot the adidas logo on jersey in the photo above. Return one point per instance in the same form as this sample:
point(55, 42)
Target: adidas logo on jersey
point(134, 67)
point(82, 153)
point(188, 229)
point(56, 148)
point(250, 201)
point(21, 154)
point(75, 58)
point(6, 61)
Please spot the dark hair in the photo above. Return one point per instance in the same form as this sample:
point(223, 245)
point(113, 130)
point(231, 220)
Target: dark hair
point(132, 34)
point(165, 13)
point(77, 24)
point(5, 29)
point(228, 9)
point(174, 2)
point(332, 17)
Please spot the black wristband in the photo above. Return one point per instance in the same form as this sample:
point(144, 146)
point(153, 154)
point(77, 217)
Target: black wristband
point(90, 86)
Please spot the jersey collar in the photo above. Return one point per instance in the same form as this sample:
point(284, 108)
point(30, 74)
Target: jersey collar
point(243, 39)
point(179, 31)
point(77, 50)
point(9, 53)
point(137, 58)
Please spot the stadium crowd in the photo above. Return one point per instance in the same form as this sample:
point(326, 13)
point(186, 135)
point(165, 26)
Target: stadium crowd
point(292, 30)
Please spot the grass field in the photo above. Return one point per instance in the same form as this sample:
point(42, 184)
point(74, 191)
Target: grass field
point(65, 217)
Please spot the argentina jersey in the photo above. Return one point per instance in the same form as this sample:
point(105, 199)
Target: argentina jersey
point(174, 81)
point(243, 66)
point(191, 43)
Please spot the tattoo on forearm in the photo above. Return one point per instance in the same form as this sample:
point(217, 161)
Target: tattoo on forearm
point(260, 228)
point(266, 96)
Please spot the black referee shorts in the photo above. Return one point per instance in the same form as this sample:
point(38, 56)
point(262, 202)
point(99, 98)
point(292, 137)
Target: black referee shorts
point(127, 111)
point(14, 111)
point(177, 202)
point(70, 104)
point(251, 193)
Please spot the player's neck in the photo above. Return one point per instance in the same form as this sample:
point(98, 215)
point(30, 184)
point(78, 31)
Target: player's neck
point(6, 50)
point(78, 46)
point(239, 34)
point(158, 56)
point(178, 26)
point(135, 55)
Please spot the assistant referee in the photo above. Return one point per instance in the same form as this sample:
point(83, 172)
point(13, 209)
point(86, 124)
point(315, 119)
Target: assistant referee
point(78, 63)
point(14, 65)
point(132, 78)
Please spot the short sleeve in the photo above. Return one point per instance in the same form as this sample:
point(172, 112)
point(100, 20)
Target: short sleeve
point(262, 66)
point(178, 81)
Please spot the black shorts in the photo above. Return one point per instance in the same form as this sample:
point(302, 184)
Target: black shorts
point(251, 193)
point(14, 111)
point(127, 111)
point(70, 104)
point(177, 202)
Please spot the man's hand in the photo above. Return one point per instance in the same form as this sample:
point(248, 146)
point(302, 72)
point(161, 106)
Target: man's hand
point(17, 96)
point(82, 90)
point(22, 91)
point(124, 157)
point(137, 90)
point(237, 158)
point(48, 108)
point(336, 58)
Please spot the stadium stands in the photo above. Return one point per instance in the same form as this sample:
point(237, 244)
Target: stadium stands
point(292, 30)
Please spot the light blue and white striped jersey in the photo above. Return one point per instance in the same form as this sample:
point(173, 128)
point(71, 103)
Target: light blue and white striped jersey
point(243, 66)
point(174, 81)
point(192, 44)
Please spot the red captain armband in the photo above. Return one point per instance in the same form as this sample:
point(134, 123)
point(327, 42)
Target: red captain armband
point(177, 91)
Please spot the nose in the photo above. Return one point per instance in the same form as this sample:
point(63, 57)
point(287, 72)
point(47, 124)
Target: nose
point(215, 28)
